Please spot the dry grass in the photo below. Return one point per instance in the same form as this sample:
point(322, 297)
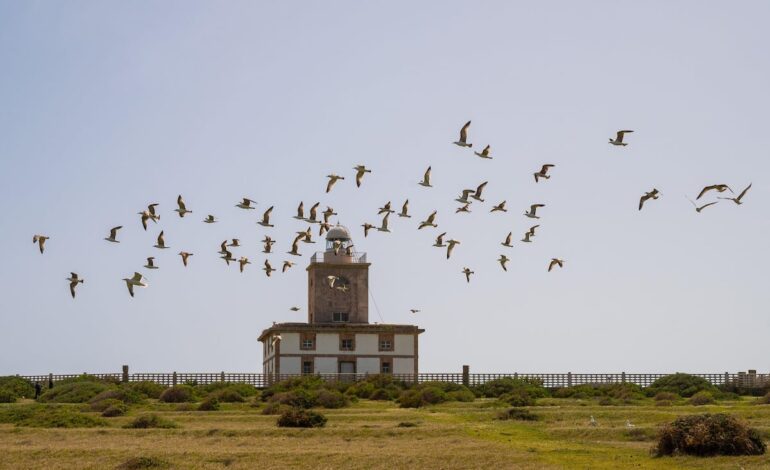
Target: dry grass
point(368, 436)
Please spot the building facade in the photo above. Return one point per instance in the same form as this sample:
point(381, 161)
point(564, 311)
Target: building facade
point(338, 338)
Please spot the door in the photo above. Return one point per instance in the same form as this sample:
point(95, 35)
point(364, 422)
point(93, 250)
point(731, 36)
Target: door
point(347, 370)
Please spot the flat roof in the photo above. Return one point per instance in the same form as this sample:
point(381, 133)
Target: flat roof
point(341, 328)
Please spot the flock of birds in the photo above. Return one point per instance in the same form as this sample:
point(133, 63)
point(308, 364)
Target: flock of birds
point(467, 198)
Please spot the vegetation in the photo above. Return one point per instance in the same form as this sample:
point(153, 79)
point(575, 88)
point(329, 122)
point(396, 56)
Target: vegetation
point(178, 394)
point(618, 392)
point(701, 398)
point(298, 418)
point(708, 435)
point(146, 388)
point(765, 400)
point(52, 416)
point(78, 390)
point(209, 404)
point(518, 414)
point(139, 463)
point(150, 420)
point(684, 385)
point(12, 388)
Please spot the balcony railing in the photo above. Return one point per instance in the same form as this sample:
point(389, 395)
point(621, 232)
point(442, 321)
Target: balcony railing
point(357, 257)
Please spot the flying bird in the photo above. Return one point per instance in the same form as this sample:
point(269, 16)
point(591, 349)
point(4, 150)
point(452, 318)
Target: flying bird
point(268, 269)
point(465, 208)
point(145, 217)
point(451, 246)
point(554, 262)
point(360, 171)
point(332, 179)
point(654, 194)
point(385, 208)
point(161, 242)
point(464, 197)
point(698, 209)
point(300, 211)
point(236, 242)
point(286, 265)
point(507, 241)
point(484, 153)
point(503, 259)
point(718, 187)
point(327, 214)
point(113, 234)
point(384, 226)
point(405, 210)
point(467, 273)
point(295, 247)
point(429, 222)
point(265, 222)
point(182, 210)
point(246, 204)
point(737, 200)
point(440, 241)
point(74, 281)
point(295, 309)
point(619, 138)
point(499, 208)
point(227, 256)
point(313, 213)
point(306, 236)
point(477, 194)
point(210, 219)
point(151, 210)
point(414, 310)
point(367, 226)
point(150, 263)
point(40, 240)
point(184, 256)
point(532, 212)
point(543, 172)
point(529, 234)
point(149, 214)
point(268, 244)
point(463, 142)
point(426, 179)
point(136, 281)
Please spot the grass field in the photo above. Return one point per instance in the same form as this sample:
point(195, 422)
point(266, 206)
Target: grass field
point(370, 434)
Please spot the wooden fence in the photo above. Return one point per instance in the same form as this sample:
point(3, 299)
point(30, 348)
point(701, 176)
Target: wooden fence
point(748, 379)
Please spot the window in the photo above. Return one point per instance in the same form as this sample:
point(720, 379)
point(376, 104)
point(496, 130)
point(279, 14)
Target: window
point(385, 367)
point(307, 344)
point(347, 342)
point(340, 317)
point(386, 342)
point(307, 341)
point(307, 367)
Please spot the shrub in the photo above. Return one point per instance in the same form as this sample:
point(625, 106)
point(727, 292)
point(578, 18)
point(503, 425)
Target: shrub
point(150, 421)
point(684, 385)
point(297, 418)
point(299, 398)
point(74, 391)
point(383, 394)
point(117, 409)
point(124, 395)
point(178, 394)
point(407, 424)
point(666, 396)
point(518, 397)
point(244, 390)
point(461, 395)
point(17, 386)
point(418, 397)
point(498, 387)
point(139, 463)
point(228, 395)
point(701, 398)
point(331, 399)
point(618, 391)
point(765, 400)
point(519, 414)
point(48, 416)
point(275, 408)
point(146, 388)
point(305, 383)
point(210, 404)
point(8, 396)
point(707, 435)
point(102, 405)
point(663, 403)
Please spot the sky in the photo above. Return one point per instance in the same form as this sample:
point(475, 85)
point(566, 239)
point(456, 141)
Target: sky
point(108, 106)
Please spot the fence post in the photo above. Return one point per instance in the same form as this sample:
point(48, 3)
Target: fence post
point(173, 378)
point(222, 376)
point(623, 377)
point(50, 380)
point(569, 379)
point(466, 375)
point(125, 374)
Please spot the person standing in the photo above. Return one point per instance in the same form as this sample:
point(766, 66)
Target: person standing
point(38, 388)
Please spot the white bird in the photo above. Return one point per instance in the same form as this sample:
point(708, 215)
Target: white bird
point(467, 273)
point(306, 236)
point(543, 173)
point(367, 226)
point(136, 281)
point(384, 226)
point(463, 142)
point(619, 138)
point(484, 153)
point(405, 210)
point(426, 179)
point(429, 222)
point(151, 210)
point(332, 179)
point(150, 263)
point(40, 240)
point(184, 256)
point(161, 242)
point(331, 280)
point(629, 424)
point(286, 265)
point(649, 195)
point(145, 217)
point(113, 234)
point(182, 210)
point(507, 241)
point(313, 213)
point(593, 421)
point(268, 269)
point(737, 200)
point(698, 209)
point(336, 245)
point(440, 241)
point(265, 222)
point(554, 262)
point(451, 246)
point(246, 204)
point(532, 212)
point(499, 208)
point(74, 281)
point(210, 219)
point(503, 259)
point(717, 187)
point(360, 171)
point(276, 339)
point(300, 211)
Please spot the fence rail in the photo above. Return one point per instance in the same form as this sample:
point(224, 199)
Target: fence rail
point(741, 379)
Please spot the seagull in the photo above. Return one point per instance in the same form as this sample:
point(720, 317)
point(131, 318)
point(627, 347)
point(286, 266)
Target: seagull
point(113, 234)
point(145, 217)
point(414, 310)
point(307, 235)
point(484, 153)
point(349, 250)
point(161, 241)
point(619, 138)
point(465, 208)
point(295, 247)
point(332, 179)
point(336, 245)
point(429, 222)
point(184, 256)
point(151, 209)
point(426, 179)
point(265, 222)
point(507, 241)
point(650, 195)
point(40, 240)
point(405, 210)
point(593, 421)
point(737, 200)
point(268, 242)
point(360, 171)
point(227, 256)
point(268, 269)
point(698, 209)
point(467, 273)
point(150, 263)
point(529, 234)
point(74, 281)
point(246, 204)
point(440, 241)
point(327, 214)
point(295, 309)
point(300, 211)
point(236, 242)
point(276, 338)
point(210, 219)
point(531, 213)
point(629, 424)
point(450, 246)
point(182, 210)
point(331, 280)
point(499, 207)
point(464, 197)
point(719, 187)
point(477, 194)
point(464, 136)
point(384, 226)
point(313, 213)
point(136, 281)
point(503, 259)
point(223, 247)
point(543, 172)
point(555, 261)
point(342, 288)
point(367, 226)
point(286, 265)
point(385, 208)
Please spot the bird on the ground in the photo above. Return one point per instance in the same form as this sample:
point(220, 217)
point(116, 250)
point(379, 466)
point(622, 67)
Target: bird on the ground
point(113, 234)
point(737, 200)
point(136, 281)
point(74, 281)
point(629, 424)
point(477, 194)
point(499, 208)
point(717, 187)
point(464, 197)
point(532, 212)
point(268, 269)
point(246, 204)
point(332, 180)
point(367, 226)
point(484, 153)
point(295, 247)
point(405, 210)
point(507, 241)
point(385, 208)
point(286, 265)
point(313, 213)
point(426, 179)
point(323, 227)
point(384, 226)
point(698, 209)
point(360, 171)
point(543, 173)
point(463, 142)
point(327, 214)
point(182, 209)
point(265, 222)
point(161, 243)
point(236, 242)
point(295, 309)
point(440, 241)
point(150, 263)
point(593, 422)
point(467, 273)
point(554, 262)
point(450, 246)
point(429, 222)
point(503, 259)
point(654, 194)
point(185, 255)
point(210, 219)
point(619, 138)
point(40, 240)
point(414, 310)
point(300, 211)
point(465, 208)
point(268, 244)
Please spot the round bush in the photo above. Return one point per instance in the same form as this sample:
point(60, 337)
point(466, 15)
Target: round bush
point(149, 421)
point(381, 394)
point(298, 418)
point(331, 399)
point(102, 405)
point(275, 408)
point(145, 387)
point(127, 396)
point(708, 435)
point(244, 390)
point(209, 404)
point(228, 395)
point(498, 387)
point(684, 385)
point(75, 391)
point(765, 400)
point(19, 387)
point(8, 396)
point(461, 395)
point(666, 396)
point(518, 414)
point(118, 409)
point(701, 398)
point(518, 397)
point(299, 398)
point(178, 394)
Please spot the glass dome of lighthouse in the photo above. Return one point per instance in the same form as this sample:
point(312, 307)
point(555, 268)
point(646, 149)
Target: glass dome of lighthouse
point(338, 236)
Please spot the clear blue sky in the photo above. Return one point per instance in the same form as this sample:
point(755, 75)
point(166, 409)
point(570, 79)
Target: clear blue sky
point(108, 106)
